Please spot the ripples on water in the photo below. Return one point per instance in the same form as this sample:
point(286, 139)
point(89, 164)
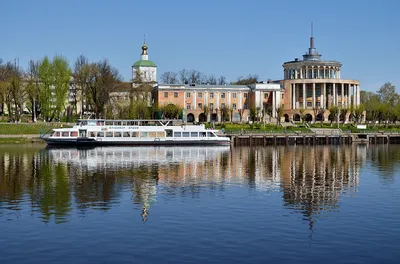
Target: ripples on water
point(200, 204)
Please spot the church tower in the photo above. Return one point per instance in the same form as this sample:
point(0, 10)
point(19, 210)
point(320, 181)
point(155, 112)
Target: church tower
point(146, 68)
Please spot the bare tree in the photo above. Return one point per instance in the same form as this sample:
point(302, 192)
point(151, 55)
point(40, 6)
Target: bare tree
point(103, 80)
point(250, 79)
point(169, 77)
point(212, 79)
point(184, 76)
point(221, 80)
point(81, 75)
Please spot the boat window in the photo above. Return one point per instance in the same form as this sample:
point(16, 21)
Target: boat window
point(143, 134)
point(100, 134)
point(56, 134)
point(160, 134)
point(65, 134)
point(109, 123)
point(185, 134)
point(194, 134)
point(177, 134)
point(117, 134)
point(210, 134)
point(109, 134)
point(92, 134)
point(74, 134)
point(134, 134)
point(126, 134)
point(100, 123)
point(152, 134)
point(169, 132)
point(203, 134)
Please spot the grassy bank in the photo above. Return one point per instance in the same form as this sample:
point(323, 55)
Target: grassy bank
point(27, 128)
point(20, 140)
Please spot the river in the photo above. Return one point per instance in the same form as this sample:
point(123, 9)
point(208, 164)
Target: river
point(283, 204)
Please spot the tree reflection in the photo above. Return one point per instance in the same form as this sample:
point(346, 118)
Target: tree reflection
point(55, 182)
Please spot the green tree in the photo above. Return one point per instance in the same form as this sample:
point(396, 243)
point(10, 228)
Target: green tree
point(62, 76)
point(46, 75)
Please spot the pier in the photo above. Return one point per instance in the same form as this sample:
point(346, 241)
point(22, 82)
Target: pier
point(267, 139)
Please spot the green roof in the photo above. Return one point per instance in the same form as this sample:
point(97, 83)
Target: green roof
point(144, 63)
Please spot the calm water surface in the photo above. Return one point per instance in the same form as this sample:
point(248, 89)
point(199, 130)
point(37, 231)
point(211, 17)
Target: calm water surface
point(288, 204)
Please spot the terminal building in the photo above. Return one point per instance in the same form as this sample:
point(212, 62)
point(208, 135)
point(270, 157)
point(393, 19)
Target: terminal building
point(309, 87)
point(312, 85)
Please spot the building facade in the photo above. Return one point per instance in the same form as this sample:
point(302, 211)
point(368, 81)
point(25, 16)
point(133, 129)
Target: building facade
point(205, 103)
point(312, 86)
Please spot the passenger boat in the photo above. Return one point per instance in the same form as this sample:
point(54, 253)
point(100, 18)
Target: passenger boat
point(94, 132)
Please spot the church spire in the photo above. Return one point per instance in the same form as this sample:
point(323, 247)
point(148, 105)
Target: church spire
point(144, 55)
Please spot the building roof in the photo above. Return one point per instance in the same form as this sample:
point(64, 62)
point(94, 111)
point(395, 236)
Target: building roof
point(144, 63)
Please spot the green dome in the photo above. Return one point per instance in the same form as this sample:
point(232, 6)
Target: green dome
point(144, 63)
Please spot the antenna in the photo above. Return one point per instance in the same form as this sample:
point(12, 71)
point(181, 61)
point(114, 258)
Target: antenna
point(312, 30)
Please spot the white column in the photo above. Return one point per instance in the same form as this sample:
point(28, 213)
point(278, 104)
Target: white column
point(217, 101)
point(314, 99)
point(206, 98)
point(348, 95)
point(240, 104)
point(354, 96)
point(294, 96)
point(334, 93)
point(273, 104)
point(312, 72)
point(229, 99)
point(323, 104)
point(304, 96)
point(342, 95)
point(194, 100)
point(358, 95)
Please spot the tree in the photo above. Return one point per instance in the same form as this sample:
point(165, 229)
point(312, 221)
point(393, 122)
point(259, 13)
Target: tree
point(333, 113)
point(211, 80)
point(171, 111)
point(221, 80)
point(45, 92)
point(206, 111)
point(103, 80)
point(33, 88)
point(240, 112)
point(358, 112)
point(253, 114)
point(169, 78)
point(387, 93)
point(184, 76)
point(62, 78)
point(279, 113)
point(81, 79)
point(250, 79)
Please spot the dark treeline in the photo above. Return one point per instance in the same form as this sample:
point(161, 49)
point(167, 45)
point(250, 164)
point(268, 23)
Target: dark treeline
point(185, 76)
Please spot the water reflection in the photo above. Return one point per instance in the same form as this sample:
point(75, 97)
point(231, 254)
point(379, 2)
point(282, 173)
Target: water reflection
point(55, 183)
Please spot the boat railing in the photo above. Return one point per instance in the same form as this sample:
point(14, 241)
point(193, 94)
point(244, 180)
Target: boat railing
point(43, 133)
point(132, 122)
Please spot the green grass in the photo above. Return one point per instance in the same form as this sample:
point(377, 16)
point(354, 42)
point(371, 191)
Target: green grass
point(27, 128)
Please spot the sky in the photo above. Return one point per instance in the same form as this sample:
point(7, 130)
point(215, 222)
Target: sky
point(221, 37)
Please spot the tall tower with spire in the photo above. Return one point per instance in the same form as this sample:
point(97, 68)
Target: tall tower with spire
point(145, 67)
point(312, 54)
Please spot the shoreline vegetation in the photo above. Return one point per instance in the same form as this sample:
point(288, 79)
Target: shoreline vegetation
point(17, 133)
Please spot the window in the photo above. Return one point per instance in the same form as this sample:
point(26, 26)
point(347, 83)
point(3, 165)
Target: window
point(234, 95)
point(91, 133)
point(245, 95)
point(309, 104)
point(222, 95)
point(187, 106)
point(200, 95)
point(152, 134)
point(222, 105)
point(185, 134)
point(75, 134)
point(160, 134)
point(211, 105)
point(188, 94)
point(234, 106)
point(109, 134)
point(165, 94)
point(265, 95)
point(194, 134)
point(210, 134)
point(135, 134)
point(211, 95)
point(200, 105)
point(65, 134)
point(143, 134)
point(177, 134)
point(56, 134)
point(175, 94)
point(100, 134)
point(126, 134)
point(117, 134)
point(245, 106)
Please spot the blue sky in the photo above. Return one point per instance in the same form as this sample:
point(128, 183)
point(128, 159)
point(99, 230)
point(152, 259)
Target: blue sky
point(225, 37)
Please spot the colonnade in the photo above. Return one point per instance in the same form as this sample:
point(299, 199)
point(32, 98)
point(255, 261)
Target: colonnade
point(328, 95)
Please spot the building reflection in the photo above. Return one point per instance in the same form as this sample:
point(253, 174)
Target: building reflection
point(54, 182)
